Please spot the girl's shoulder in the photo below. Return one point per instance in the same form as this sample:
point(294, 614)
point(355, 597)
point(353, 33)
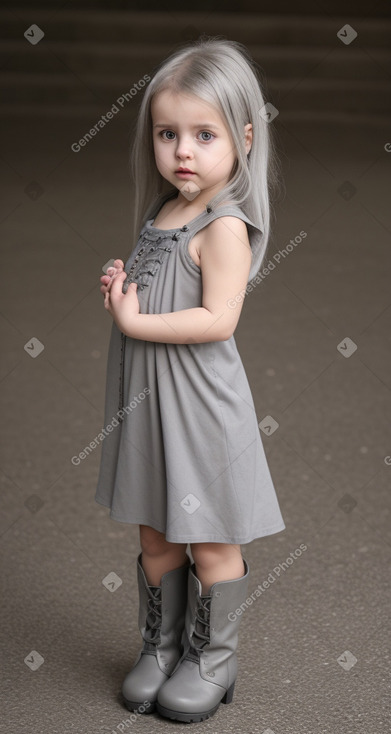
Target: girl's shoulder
point(224, 228)
point(230, 218)
point(230, 214)
point(235, 222)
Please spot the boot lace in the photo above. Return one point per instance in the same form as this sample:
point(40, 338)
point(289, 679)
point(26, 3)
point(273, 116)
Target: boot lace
point(153, 619)
point(201, 633)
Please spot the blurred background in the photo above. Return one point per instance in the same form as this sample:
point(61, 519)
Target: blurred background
point(314, 338)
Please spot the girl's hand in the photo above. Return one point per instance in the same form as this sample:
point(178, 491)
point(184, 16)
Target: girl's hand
point(122, 306)
point(107, 279)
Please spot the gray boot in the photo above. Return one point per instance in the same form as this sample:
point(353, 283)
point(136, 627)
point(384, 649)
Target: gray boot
point(161, 623)
point(205, 675)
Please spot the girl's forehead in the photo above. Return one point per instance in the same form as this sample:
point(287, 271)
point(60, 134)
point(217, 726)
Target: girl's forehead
point(172, 102)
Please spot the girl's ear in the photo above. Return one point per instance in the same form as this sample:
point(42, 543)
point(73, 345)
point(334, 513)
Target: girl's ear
point(248, 133)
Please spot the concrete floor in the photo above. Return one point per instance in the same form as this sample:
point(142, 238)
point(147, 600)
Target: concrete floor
point(314, 650)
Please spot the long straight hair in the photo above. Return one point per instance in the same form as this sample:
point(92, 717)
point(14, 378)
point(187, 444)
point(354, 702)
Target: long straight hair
point(222, 73)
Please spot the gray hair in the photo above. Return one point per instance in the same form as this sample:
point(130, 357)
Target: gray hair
point(222, 73)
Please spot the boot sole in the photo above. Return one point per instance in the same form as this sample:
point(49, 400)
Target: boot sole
point(186, 718)
point(135, 706)
point(189, 718)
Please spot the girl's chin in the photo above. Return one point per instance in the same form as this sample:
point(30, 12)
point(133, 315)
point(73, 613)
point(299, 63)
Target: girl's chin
point(189, 190)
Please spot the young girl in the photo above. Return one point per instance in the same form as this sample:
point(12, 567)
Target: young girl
point(184, 459)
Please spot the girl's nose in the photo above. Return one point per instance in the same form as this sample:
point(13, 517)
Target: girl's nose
point(184, 149)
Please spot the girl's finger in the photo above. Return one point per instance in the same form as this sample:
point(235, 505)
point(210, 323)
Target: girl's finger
point(116, 285)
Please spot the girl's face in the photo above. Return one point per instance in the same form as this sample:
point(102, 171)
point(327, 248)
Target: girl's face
point(190, 133)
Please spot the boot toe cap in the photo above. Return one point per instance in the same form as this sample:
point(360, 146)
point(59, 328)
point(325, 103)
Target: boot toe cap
point(187, 692)
point(142, 684)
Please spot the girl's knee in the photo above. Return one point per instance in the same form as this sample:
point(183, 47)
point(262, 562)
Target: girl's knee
point(208, 554)
point(152, 542)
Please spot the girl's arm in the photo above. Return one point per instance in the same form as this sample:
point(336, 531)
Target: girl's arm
point(225, 256)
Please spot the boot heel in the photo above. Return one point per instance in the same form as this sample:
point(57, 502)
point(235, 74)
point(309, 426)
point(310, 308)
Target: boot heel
point(228, 696)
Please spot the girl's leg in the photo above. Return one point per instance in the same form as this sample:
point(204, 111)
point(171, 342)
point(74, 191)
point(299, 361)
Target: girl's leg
point(217, 562)
point(206, 674)
point(158, 555)
point(161, 617)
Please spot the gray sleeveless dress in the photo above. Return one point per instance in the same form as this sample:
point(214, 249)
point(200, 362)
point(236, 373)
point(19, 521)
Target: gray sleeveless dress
point(182, 450)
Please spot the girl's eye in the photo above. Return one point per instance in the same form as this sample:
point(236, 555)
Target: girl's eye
point(171, 132)
point(205, 132)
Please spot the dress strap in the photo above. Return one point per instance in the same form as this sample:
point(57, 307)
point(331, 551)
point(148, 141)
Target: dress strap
point(225, 210)
point(255, 233)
